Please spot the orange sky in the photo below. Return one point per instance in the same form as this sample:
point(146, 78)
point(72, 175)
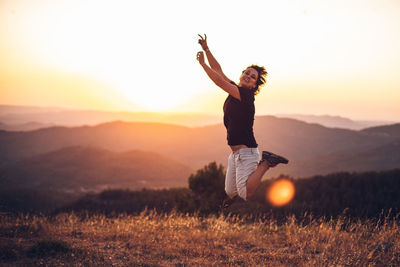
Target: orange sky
point(324, 57)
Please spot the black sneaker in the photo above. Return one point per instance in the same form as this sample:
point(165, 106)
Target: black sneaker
point(273, 159)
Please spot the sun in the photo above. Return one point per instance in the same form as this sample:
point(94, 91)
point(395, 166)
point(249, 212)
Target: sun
point(152, 98)
point(152, 101)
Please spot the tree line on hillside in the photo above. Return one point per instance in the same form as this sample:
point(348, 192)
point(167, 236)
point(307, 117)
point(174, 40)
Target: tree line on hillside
point(357, 195)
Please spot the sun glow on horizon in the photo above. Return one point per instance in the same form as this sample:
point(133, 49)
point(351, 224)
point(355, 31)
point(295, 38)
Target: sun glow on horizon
point(151, 100)
point(339, 58)
point(120, 51)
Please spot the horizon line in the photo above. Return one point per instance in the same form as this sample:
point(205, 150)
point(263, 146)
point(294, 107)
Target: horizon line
point(192, 112)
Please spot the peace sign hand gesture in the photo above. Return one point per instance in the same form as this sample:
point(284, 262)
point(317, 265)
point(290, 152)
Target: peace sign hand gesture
point(203, 42)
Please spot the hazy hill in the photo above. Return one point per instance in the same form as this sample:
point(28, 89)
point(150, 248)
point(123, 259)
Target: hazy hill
point(302, 140)
point(15, 109)
point(385, 157)
point(193, 146)
point(387, 130)
point(28, 126)
point(334, 121)
point(17, 115)
point(90, 168)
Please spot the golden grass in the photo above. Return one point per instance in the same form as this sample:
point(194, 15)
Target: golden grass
point(151, 239)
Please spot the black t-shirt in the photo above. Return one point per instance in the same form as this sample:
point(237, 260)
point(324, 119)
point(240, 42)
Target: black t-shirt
point(239, 118)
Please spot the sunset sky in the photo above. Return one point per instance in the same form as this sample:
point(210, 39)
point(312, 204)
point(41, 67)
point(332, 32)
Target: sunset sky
point(323, 57)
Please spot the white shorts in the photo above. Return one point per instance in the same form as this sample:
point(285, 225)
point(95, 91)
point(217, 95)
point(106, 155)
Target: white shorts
point(241, 164)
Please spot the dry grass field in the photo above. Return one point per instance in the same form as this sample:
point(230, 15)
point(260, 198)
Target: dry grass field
point(152, 239)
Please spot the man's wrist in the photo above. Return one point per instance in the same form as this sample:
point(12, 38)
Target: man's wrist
point(207, 49)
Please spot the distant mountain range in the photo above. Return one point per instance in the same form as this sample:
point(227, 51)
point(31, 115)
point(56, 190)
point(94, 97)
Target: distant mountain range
point(27, 118)
point(311, 148)
point(21, 118)
point(82, 169)
point(388, 130)
point(335, 121)
point(28, 126)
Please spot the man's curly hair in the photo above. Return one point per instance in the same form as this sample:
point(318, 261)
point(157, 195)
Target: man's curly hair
point(262, 77)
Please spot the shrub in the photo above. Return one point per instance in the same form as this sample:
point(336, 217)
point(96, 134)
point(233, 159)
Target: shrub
point(208, 187)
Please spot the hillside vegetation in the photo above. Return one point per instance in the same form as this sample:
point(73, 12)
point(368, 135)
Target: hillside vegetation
point(358, 195)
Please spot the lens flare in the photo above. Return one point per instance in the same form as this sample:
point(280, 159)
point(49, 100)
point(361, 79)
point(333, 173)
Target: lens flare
point(280, 192)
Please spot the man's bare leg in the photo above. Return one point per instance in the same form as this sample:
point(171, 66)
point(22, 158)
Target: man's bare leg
point(255, 179)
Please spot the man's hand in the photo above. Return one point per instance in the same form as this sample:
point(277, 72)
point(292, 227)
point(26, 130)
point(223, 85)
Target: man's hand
point(203, 42)
point(200, 57)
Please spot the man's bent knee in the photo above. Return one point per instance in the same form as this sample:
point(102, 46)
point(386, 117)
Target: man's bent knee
point(230, 193)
